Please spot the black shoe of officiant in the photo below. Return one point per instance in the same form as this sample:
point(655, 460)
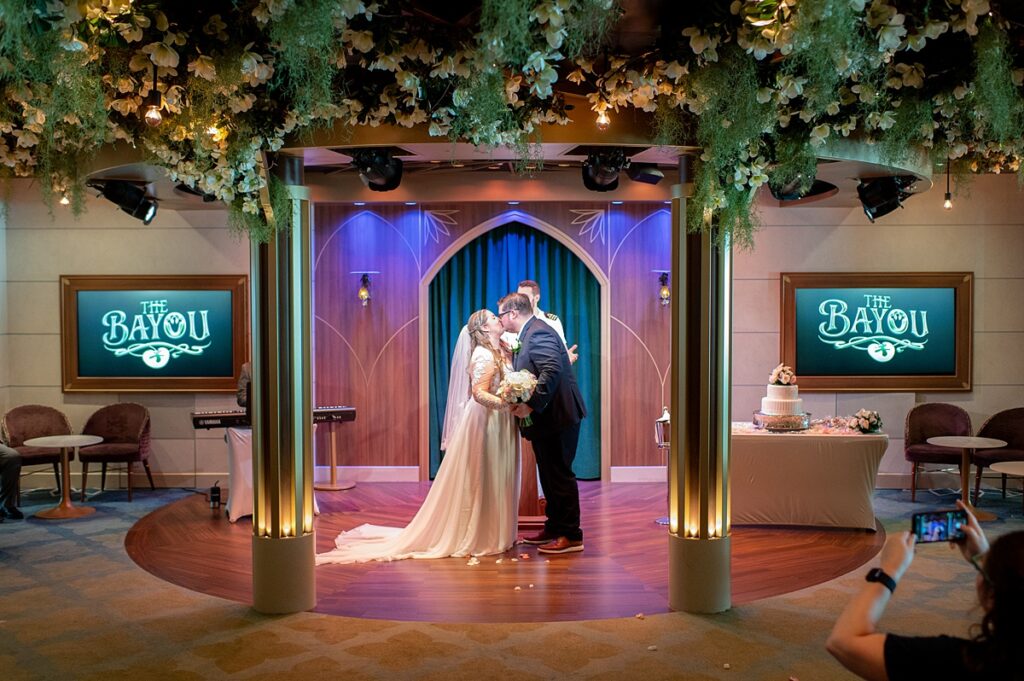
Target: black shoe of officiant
point(13, 514)
point(542, 537)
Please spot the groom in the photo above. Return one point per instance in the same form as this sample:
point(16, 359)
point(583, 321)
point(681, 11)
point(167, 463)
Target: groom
point(556, 409)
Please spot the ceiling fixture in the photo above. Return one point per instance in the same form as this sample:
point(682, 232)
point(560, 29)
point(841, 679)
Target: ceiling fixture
point(790, 194)
point(378, 169)
point(882, 195)
point(603, 120)
point(185, 189)
point(129, 197)
point(154, 102)
point(601, 169)
point(648, 173)
point(948, 202)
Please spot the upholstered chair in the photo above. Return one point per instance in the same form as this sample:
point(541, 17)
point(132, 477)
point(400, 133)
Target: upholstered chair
point(30, 421)
point(1007, 425)
point(124, 428)
point(932, 419)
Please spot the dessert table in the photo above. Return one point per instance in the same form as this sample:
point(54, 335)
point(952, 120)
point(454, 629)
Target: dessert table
point(65, 509)
point(804, 478)
point(966, 445)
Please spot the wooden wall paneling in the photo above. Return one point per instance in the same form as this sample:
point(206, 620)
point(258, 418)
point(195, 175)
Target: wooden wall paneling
point(640, 332)
point(373, 350)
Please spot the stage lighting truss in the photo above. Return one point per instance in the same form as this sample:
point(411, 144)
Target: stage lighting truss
point(128, 196)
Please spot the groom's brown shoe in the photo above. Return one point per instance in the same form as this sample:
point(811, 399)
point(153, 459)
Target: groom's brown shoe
point(542, 537)
point(562, 545)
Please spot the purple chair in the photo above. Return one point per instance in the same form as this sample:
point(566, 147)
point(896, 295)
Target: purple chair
point(932, 419)
point(1006, 425)
point(35, 420)
point(124, 428)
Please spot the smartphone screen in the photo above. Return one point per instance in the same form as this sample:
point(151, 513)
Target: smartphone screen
point(932, 526)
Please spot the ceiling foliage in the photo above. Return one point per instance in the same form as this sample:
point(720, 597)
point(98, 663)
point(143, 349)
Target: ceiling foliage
point(762, 86)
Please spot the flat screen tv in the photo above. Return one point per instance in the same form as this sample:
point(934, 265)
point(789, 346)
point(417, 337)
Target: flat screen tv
point(153, 333)
point(898, 332)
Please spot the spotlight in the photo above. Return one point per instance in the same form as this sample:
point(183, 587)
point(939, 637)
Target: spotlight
point(129, 197)
point(882, 195)
point(601, 169)
point(378, 169)
point(647, 173)
point(790, 194)
point(185, 189)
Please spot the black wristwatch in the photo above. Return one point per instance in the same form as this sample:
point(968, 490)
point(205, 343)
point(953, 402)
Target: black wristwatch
point(878, 575)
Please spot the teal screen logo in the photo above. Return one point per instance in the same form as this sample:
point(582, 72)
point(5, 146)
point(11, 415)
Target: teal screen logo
point(155, 333)
point(875, 331)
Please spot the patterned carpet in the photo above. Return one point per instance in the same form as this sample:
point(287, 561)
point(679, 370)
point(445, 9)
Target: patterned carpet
point(74, 606)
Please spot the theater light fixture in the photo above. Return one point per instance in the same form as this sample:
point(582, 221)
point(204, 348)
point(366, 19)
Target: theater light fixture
point(378, 169)
point(601, 169)
point(129, 197)
point(648, 173)
point(882, 195)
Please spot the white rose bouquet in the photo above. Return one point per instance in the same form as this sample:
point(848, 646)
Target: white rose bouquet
point(517, 387)
point(866, 421)
point(782, 375)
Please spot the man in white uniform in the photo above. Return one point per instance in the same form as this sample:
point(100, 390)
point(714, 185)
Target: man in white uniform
point(531, 290)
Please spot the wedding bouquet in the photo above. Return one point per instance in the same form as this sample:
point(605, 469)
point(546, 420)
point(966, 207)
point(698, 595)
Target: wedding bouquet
point(866, 421)
point(517, 387)
point(782, 375)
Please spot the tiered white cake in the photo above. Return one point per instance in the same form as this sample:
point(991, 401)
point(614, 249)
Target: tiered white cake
point(782, 400)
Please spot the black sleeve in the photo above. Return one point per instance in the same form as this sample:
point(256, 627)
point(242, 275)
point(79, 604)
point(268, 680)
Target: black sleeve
point(545, 350)
point(925, 657)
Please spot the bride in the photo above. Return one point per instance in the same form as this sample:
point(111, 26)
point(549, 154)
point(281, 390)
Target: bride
point(472, 506)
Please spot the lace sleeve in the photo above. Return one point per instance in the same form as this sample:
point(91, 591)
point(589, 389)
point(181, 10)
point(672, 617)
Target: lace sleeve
point(483, 369)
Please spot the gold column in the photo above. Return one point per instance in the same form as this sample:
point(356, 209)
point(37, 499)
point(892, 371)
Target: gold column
point(699, 514)
point(283, 543)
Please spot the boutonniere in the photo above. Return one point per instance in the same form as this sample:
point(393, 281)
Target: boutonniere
point(515, 346)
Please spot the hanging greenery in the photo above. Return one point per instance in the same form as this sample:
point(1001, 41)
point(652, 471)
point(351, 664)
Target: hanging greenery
point(761, 86)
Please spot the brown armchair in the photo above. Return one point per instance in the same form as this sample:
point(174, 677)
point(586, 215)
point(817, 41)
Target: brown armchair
point(35, 420)
point(1006, 425)
point(932, 419)
point(124, 428)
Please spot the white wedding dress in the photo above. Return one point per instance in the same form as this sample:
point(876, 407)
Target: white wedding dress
point(472, 506)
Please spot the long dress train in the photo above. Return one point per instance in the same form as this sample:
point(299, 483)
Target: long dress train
point(472, 506)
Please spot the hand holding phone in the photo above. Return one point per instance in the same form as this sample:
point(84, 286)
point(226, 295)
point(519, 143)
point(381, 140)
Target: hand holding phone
point(934, 526)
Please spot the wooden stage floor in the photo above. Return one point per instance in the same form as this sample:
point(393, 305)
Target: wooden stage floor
point(622, 572)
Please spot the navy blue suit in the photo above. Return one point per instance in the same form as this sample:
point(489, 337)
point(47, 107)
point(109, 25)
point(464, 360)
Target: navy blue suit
point(557, 411)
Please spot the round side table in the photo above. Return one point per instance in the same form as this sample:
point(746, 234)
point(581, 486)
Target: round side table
point(966, 445)
point(66, 442)
point(1010, 468)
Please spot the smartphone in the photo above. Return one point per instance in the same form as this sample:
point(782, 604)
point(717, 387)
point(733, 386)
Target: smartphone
point(932, 526)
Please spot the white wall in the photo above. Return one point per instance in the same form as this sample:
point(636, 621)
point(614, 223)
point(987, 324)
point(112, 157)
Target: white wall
point(39, 249)
point(984, 234)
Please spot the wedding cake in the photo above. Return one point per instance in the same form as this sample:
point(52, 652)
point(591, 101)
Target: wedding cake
point(782, 409)
point(782, 400)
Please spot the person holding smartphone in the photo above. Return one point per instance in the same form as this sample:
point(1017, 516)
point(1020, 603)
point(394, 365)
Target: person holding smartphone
point(995, 651)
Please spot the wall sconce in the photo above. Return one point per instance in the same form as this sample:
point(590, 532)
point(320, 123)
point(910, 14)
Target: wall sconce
point(664, 293)
point(364, 286)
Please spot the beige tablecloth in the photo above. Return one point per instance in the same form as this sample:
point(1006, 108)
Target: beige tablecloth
point(240, 494)
point(804, 479)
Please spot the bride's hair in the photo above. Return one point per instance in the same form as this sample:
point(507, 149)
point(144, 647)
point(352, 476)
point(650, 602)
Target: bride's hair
point(478, 337)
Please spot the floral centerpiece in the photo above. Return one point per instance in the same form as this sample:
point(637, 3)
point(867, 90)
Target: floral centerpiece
point(516, 388)
point(782, 375)
point(866, 421)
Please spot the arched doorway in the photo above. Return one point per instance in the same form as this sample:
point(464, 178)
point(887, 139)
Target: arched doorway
point(485, 269)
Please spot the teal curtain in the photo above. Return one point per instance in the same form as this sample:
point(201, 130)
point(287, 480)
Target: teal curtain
point(485, 270)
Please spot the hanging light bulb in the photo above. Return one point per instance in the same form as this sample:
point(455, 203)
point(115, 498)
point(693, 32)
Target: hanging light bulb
point(948, 203)
point(64, 200)
point(154, 102)
point(603, 121)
